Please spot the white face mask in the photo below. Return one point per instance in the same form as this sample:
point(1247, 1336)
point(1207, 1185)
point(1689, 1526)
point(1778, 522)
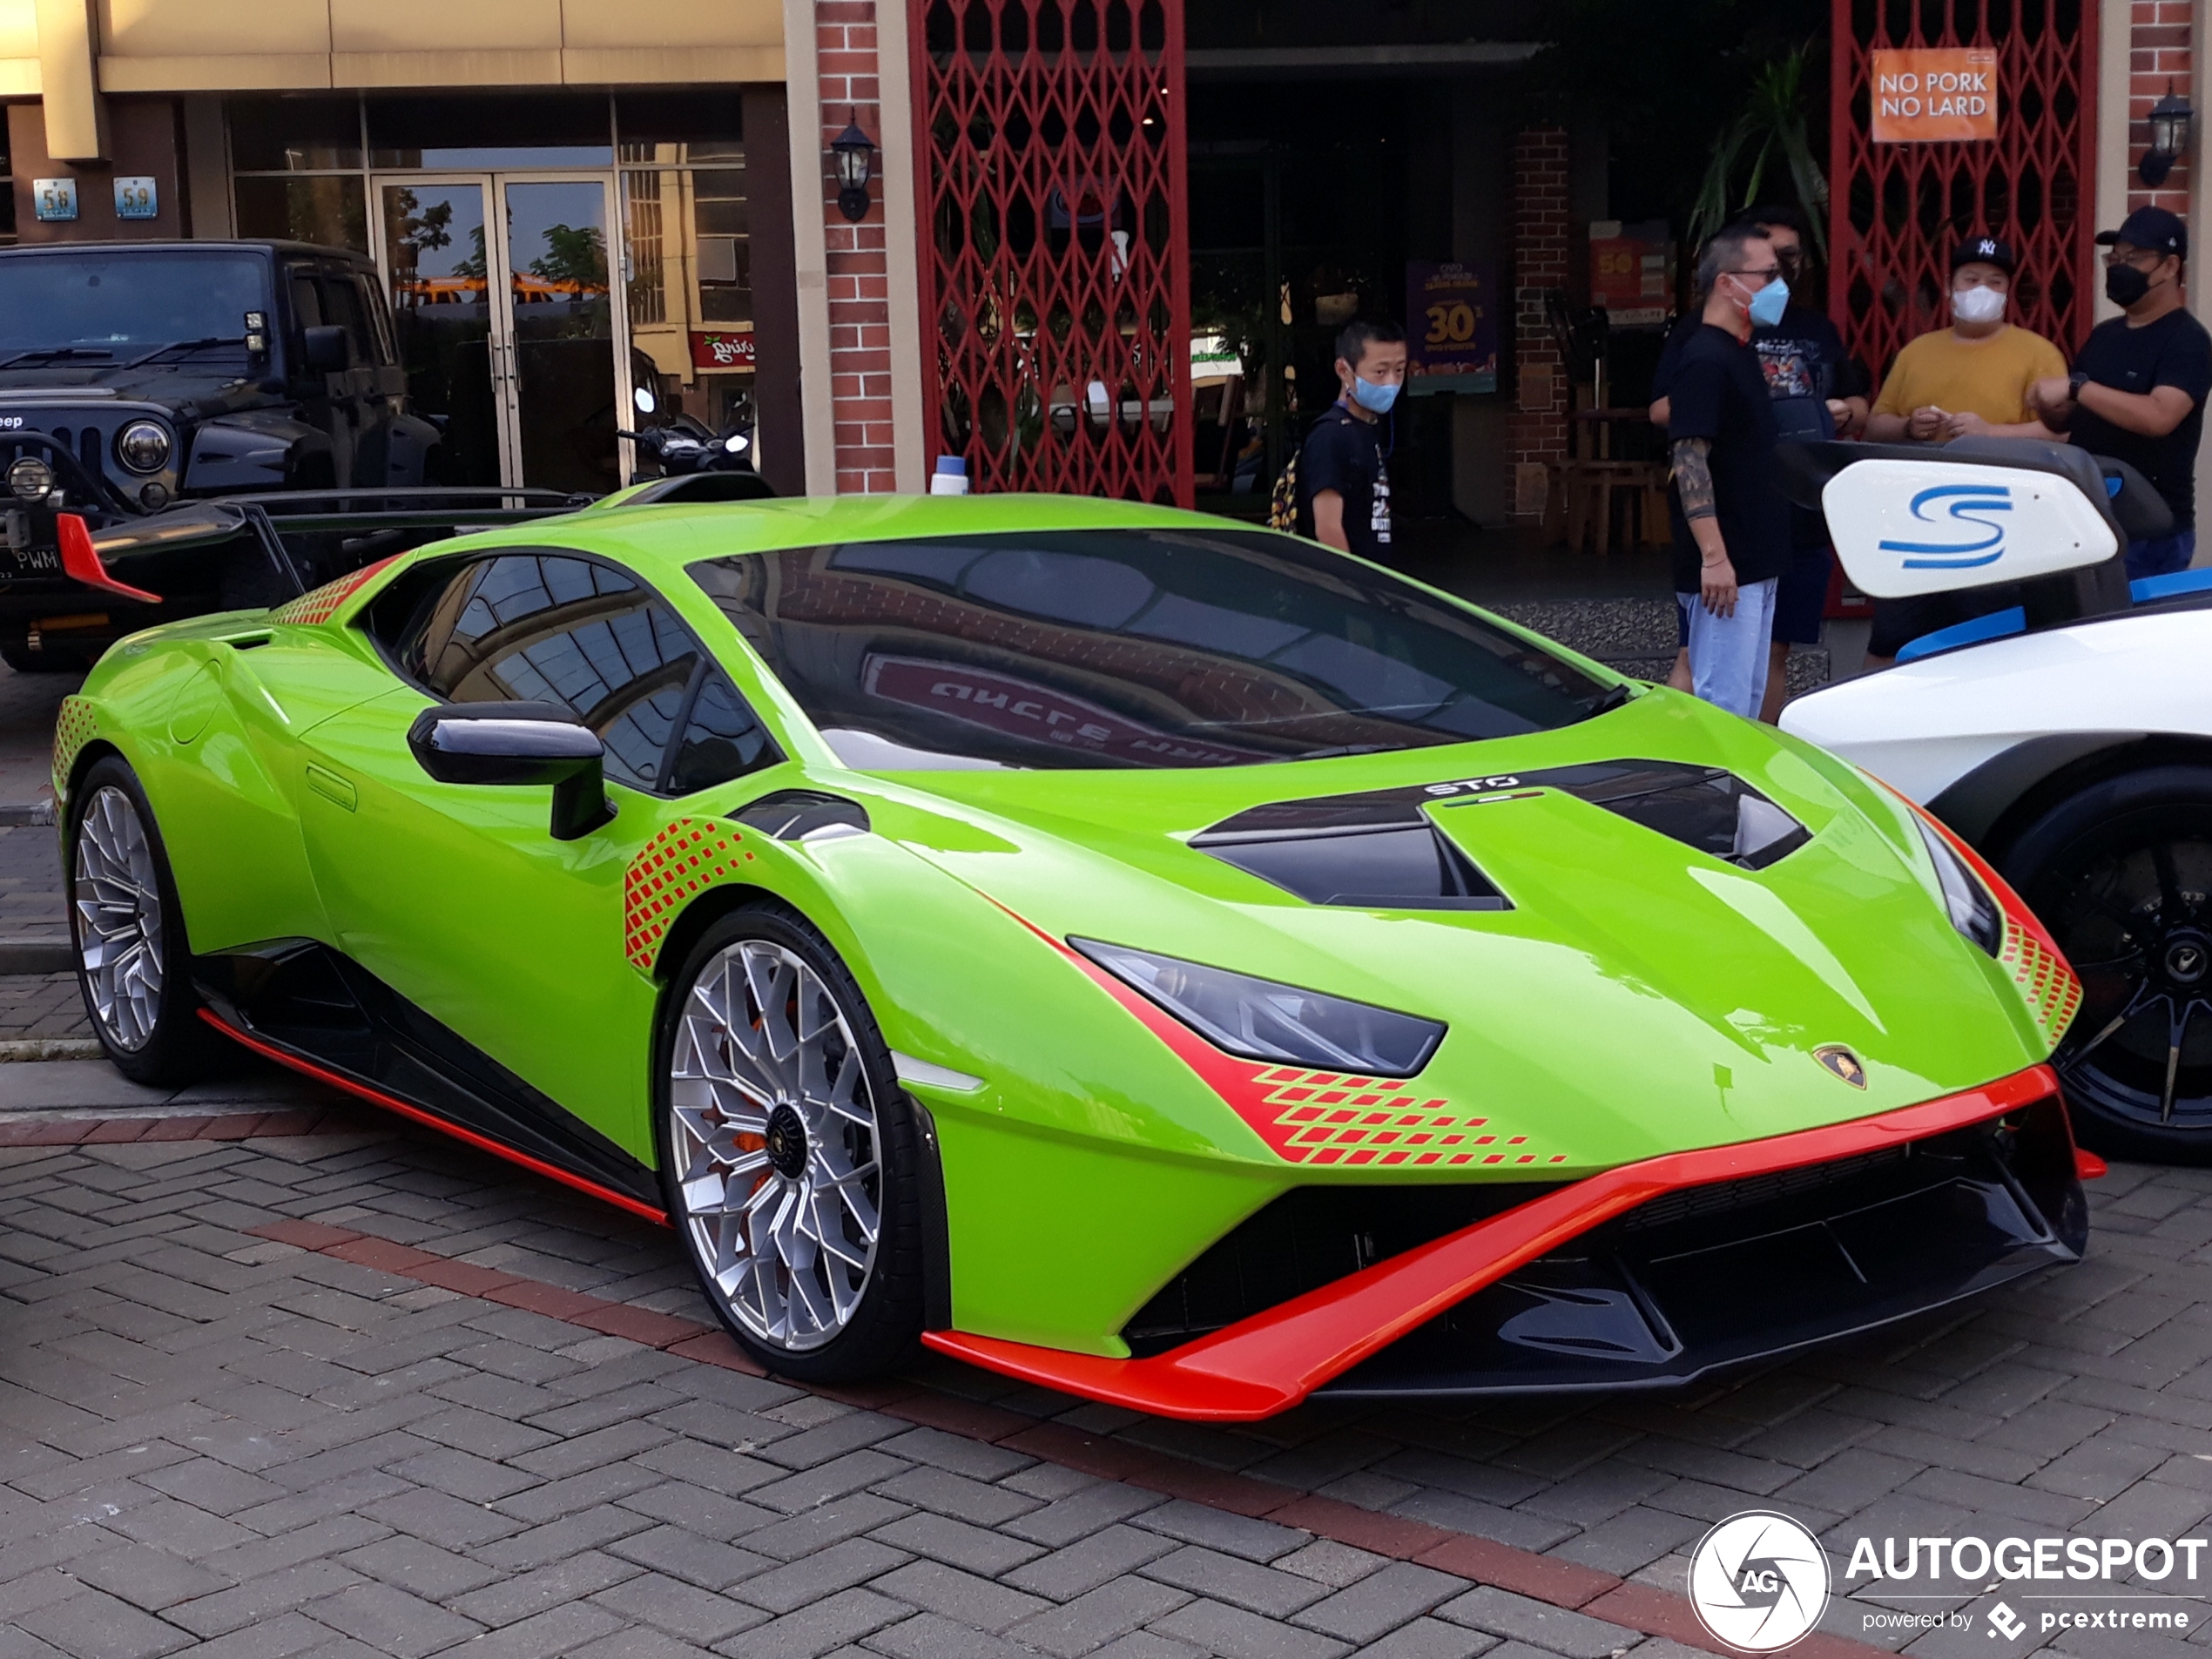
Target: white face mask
point(1977, 305)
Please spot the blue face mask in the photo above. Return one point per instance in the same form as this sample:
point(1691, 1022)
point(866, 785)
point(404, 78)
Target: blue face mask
point(1376, 400)
point(1770, 302)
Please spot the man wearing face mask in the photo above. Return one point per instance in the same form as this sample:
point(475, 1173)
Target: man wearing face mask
point(2137, 390)
point(1343, 471)
point(1972, 379)
point(1721, 427)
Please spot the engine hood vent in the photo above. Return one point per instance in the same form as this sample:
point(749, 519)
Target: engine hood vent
point(1380, 848)
point(1362, 865)
point(1705, 808)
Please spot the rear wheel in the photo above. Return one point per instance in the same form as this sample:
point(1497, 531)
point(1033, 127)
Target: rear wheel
point(2122, 874)
point(788, 1154)
point(129, 933)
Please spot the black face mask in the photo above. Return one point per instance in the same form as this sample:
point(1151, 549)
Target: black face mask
point(2125, 285)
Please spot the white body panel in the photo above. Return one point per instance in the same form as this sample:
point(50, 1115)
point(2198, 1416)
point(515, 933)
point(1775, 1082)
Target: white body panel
point(1922, 726)
point(1910, 527)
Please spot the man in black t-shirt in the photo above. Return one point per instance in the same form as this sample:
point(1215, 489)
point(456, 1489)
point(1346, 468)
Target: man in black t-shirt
point(1819, 391)
point(1722, 430)
point(1344, 471)
point(2138, 388)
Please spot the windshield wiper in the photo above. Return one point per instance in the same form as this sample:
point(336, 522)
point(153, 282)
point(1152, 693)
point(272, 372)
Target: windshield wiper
point(47, 354)
point(1611, 700)
point(1347, 748)
point(186, 345)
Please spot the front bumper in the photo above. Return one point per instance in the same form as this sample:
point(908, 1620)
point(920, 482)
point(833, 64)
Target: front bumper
point(1648, 1275)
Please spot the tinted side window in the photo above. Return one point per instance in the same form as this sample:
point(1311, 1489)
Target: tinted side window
point(540, 627)
point(721, 741)
point(306, 301)
point(341, 304)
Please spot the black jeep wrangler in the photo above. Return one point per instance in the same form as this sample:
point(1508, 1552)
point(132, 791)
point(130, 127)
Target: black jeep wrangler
point(136, 375)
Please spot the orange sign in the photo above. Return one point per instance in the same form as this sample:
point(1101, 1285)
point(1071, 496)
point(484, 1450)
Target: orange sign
point(1935, 95)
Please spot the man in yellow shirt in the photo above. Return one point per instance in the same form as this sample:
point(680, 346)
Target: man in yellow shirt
point(1971, 379)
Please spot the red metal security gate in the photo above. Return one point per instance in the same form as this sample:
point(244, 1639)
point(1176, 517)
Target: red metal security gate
point(1055, 304)
point(1896, 210)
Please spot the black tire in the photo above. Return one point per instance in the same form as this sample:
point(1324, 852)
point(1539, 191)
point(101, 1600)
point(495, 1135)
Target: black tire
point(885, 1318)
point(161, 1041)
point(48, 659)
point(2122, 874)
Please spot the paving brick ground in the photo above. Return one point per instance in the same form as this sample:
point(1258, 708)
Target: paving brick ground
point(212, 1440)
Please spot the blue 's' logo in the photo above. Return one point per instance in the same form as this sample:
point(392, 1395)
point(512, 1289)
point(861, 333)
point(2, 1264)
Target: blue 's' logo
point(1965, 501)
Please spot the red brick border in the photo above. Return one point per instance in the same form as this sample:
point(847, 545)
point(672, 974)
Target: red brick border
point(40, 1130)
point(1542, 1578)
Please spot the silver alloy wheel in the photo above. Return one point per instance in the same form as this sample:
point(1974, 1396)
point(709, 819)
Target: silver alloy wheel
point(776, 1145)
point(118, 918)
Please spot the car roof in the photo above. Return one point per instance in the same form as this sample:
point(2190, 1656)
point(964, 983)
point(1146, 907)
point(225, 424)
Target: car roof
point(666, 537)
point(257, 244)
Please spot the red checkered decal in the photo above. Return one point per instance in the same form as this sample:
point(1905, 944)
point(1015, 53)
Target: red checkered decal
point(1328, 1117)
point(321, 605)
point(74, 727)
point(2046, 984)
point(682, 861)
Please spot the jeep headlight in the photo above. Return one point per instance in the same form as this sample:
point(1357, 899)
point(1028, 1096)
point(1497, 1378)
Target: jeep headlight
point(1973, 913)
point(142, 446)
point(1261, 1020)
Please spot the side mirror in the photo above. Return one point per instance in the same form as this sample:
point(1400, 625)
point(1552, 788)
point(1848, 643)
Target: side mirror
point(518, 743)
point(326, 351)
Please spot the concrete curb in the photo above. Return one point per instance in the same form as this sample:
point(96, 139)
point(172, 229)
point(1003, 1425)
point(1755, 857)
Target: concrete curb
point(37, 956)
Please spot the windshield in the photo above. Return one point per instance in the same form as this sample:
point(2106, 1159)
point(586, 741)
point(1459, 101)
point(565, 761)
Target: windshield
point(122, 305)
point(1129, 647)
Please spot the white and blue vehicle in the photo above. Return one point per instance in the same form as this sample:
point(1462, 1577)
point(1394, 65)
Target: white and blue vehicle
point(2066, 731)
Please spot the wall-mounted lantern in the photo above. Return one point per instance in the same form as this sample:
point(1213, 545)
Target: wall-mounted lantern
point(2171, 119)
point(854, 152)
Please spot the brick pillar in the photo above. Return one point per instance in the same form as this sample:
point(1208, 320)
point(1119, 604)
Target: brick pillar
point(860, 316)
point(2158, 57)
point(1537, 430)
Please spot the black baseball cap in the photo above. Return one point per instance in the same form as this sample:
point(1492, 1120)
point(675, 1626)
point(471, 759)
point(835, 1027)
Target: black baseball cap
point(2151, 227)
point(1983, 250)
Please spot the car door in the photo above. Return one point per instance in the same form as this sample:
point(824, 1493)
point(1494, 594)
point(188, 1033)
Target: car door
point(456, 895)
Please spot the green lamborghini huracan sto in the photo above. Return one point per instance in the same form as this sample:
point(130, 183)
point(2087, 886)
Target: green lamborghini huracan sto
point(1156, 959)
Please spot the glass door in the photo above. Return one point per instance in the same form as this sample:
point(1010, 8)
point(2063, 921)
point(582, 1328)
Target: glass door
point(562, 386)
point(434, 238)
point(501, 292)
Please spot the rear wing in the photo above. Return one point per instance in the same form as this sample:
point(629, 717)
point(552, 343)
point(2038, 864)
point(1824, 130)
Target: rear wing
point(1912, 519)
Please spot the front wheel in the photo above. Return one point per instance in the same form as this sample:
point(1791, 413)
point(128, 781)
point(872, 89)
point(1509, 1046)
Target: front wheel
point(128, 932)
point(2122, 874)
point(788, 1154)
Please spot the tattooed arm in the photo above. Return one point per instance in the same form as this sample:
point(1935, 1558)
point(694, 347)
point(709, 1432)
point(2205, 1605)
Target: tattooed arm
point(1694, 482)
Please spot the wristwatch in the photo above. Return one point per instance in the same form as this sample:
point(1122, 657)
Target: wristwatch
point(2074, 382)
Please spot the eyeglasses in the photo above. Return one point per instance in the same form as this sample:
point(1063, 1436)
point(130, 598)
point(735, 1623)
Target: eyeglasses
point(1767, 275)
point(2135, 259)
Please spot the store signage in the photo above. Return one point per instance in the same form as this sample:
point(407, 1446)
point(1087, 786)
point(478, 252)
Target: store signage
point(1452, 312)
point(137, 198)
point(1631, 268)
point(722, 348)
point(1945, 95)
point(54, 199)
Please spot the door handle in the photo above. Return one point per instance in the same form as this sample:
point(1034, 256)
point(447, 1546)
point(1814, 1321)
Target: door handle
point(332, 787)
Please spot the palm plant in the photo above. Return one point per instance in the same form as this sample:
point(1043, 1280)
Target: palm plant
point(1769, 136)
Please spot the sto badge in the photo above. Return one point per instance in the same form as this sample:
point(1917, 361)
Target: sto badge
point(1843, 1063)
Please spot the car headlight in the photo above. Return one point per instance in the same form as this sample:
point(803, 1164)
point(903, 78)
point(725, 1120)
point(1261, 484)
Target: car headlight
point(1973, 913)
point(142, 446)
point(1261, 1020)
